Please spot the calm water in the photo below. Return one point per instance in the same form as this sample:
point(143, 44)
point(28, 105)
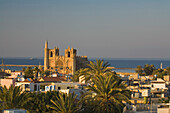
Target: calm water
point(119, 63)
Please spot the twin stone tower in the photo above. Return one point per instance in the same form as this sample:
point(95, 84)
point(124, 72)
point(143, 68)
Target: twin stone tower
point(66, 64)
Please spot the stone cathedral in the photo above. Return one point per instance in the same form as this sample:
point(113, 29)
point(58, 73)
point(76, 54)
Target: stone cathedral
point(66, 64)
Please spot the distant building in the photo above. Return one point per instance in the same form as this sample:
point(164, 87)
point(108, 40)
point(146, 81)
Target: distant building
point(52, 79)
point(16, 73)
point(77, 92)
point(7, 82)
point(25, 84)
point(163, 108)
point(158, 87)
point(14, 111)
point(167, 78)
point(4, 75)
point(8, 71)
point(134, 76)
point(66, 64)
point(39, 85)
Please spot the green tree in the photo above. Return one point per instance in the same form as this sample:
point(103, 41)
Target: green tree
point(13, 98)
point(79, 73)
point(95, 68)
point(29, 73)
point(99, 67)
point(23, 69)
point(65, 103)
point(139, 70)
point(148, 69)
point(107, 92)
point(35, 71)
point(39, 101)
point(47, 73)
point(168, 70)
point(160, 73)
point(162, 100)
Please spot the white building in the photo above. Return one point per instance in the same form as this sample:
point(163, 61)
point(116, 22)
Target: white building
point(158, 87)
point(77, 92)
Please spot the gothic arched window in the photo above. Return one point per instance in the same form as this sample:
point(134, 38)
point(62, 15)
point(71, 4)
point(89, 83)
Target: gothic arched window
point(51, 54)
point(68, 54)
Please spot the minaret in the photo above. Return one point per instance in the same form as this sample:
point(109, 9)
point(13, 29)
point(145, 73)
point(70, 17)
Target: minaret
point(161, 65)
point(46, 56)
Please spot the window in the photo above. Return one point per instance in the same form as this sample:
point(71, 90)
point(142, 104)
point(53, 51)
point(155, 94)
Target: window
point(59, 88)
point(57, 52)
point(68, 54)
point(35, 87)
point(38, 87)
point(27, 86)
point(51, 54)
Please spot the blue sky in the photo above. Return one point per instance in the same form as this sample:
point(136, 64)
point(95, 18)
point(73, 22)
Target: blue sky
point(97, 28)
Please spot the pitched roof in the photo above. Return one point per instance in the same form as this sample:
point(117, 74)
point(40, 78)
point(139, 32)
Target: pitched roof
point(159, 80)
point(28, 80)
point(151, 75)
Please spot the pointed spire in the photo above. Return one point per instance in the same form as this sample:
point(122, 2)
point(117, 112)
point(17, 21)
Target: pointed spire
point(69, 47)
point(46, 44)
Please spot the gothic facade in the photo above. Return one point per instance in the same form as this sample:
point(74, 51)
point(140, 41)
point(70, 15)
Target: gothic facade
point(66, 64)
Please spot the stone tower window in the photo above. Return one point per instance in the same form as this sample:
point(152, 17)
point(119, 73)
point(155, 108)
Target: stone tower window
point(68, 54)
point(51, 54)
point(57, 52)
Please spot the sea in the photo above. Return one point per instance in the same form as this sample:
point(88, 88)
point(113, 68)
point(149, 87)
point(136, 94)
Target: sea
point(114, 62)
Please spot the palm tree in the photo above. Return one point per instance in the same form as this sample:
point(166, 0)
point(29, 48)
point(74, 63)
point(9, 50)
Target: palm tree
point(99, 67)
point(94, 68)
point(162, 100)
point(65, 103)
point(106, 94)
point(28, 73)
point(13, 97)
point(79, 73)
point(39, 101)
point(35, 71)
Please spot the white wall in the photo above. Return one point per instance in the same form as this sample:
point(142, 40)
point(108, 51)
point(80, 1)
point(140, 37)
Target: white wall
point(158, 85)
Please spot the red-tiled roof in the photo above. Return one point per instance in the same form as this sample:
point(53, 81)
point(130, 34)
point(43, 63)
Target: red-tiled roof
point(53, 79)
point(151, 75)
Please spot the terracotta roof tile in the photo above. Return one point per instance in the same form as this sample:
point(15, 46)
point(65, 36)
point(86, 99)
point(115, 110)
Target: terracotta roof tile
point(53, 79)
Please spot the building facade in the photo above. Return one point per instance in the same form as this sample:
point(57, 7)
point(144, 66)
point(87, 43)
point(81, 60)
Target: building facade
point(66, 64)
